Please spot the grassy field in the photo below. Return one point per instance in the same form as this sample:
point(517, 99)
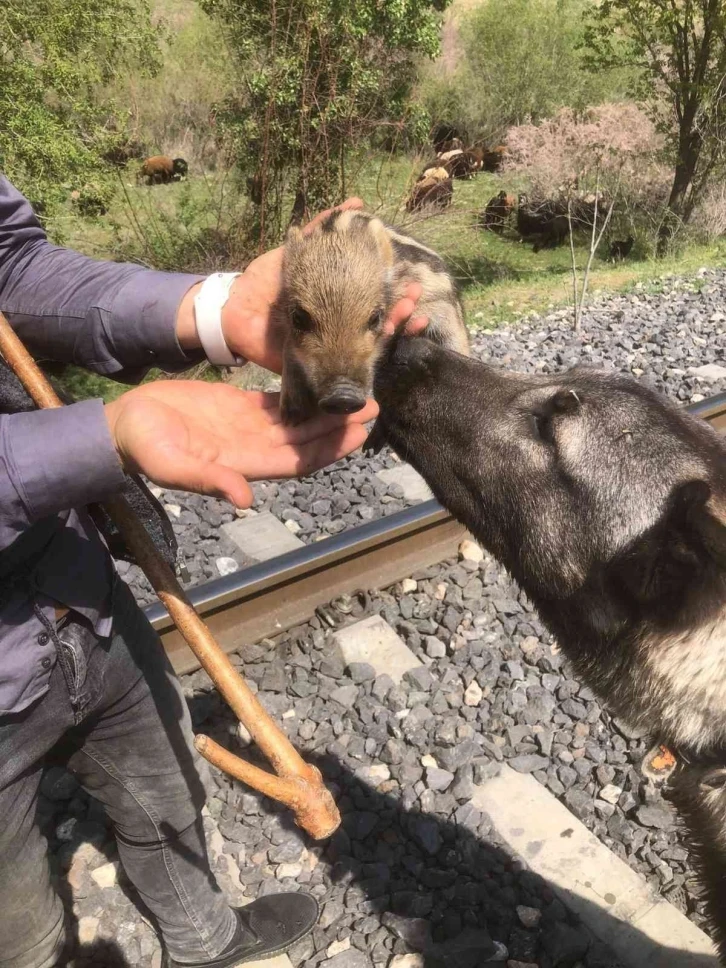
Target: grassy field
point(182, 226)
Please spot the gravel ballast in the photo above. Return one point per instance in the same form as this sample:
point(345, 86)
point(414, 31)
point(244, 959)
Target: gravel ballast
point(416, 868)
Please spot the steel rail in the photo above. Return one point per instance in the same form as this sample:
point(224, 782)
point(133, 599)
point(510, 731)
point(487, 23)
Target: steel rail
point(276, 595)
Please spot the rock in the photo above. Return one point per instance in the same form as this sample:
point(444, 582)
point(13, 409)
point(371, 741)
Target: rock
point(426, 833)
point(374, 775)
point(656, 815)
point(105, 876)
point(338, 947)
point(407, 961)
point(610, 793)
point(470, 551)
point(352, 958)
point(473, 694)
point(227, 566)
point(408, 585)
point(529, 762)
point(529, 917)
point(87, 930)
point(415, 932)
point(438, 780)
point(472, 948)
point(710, 372)
point(345, 695)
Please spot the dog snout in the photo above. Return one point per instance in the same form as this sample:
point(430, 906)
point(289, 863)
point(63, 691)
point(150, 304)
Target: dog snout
point(343, 397)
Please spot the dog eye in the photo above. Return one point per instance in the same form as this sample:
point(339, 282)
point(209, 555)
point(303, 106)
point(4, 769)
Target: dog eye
point(375, 319)
point(302, 320)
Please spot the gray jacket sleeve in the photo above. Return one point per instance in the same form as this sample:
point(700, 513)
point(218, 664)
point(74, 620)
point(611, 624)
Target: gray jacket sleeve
point(115, 318)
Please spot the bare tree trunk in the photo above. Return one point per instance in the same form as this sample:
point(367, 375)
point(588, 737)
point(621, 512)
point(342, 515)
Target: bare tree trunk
point(678, 210)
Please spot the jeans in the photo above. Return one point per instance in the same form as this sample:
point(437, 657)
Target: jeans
point(117, 705)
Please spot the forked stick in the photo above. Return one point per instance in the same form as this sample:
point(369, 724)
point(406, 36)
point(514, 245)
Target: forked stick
point(297, 784)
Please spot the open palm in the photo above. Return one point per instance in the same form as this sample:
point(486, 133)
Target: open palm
point(213, 438)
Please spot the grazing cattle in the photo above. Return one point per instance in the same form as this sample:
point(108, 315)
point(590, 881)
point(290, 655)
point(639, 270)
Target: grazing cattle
point(620, 249)
point(430, 193)
point(497, 212)
point(443, 134)
point(494, 158)
point(160, 169)
point(445, 156)
point(545, 225)
point(434, 172)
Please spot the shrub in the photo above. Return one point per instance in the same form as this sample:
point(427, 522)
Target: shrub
point(517, 61)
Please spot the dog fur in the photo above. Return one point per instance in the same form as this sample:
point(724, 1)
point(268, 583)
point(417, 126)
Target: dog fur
point(607, 503)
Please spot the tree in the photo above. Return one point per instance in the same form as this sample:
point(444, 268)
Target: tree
point(318, 80)
point(54, 54)
point(680, 48)
point(519, 62)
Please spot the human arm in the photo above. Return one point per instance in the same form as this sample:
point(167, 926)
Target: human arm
point(115, 318)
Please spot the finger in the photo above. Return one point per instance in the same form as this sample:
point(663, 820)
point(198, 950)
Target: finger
point(298, 460)
point(180, 471)
point(321, 425)
point(349, 203)
point(403, 309)
point(416, 325)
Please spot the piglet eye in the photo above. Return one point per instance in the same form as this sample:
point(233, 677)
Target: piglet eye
point(375, 319)
point(302, 320)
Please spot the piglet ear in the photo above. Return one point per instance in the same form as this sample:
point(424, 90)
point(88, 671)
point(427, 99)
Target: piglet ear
point(383, 240)
point(566, 401)
point(294, 236)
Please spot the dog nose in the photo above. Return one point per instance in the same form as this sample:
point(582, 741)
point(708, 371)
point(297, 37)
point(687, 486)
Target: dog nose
point(343, 398)
point(413, 353)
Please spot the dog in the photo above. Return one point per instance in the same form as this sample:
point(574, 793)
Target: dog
point(607, 503)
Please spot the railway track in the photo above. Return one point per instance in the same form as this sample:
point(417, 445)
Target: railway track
point(275, 595)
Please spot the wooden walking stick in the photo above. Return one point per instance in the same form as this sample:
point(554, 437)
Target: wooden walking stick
point(297, 784)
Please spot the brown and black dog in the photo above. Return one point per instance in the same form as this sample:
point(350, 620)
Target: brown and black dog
point(607, 503)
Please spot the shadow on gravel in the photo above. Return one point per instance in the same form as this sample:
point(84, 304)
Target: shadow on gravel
point(443, 888)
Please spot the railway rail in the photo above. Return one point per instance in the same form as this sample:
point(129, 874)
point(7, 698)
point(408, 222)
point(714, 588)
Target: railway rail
point(275, 595)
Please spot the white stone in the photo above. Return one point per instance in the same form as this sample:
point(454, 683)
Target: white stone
point(293, 526)
point(261, 537)
point(407, 961)
point(473, 695)
point(373, 640)
point(87, 928)
point(226, 566)
point(289, 870)
point(697, 397)
point(244, 735)
point(470, 551)
point(289, 714)
point(408, 585)
point(173, 509)
point(338, 947)
point(610, 793)
point(429, 762)
point(529, 917)
point(440, 592)
point(710, 372)
point(374, 775)
point(410, 481)
point(105, 876)
point(613, 901)
point(156, 491)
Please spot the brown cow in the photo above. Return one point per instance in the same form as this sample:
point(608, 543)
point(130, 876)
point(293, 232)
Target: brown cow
point(497, 212)
point(161, 169)
point(430, 193)
point(494, 158)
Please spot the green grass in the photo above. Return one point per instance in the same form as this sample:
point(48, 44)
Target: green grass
point(182, 226)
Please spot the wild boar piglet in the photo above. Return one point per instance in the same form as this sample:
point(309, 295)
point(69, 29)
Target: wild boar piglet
point(339, 284)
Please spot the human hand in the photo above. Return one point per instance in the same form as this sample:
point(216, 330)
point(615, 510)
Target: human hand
point(251, 326)
point(213, 438)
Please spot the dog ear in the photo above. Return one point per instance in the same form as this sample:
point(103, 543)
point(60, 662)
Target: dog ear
point(689, 539)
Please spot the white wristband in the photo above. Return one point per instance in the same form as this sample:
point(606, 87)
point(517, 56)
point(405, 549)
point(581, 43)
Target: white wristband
point(208, 303)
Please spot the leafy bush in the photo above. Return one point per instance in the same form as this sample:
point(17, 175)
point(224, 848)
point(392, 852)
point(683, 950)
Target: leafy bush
point(519, 61)
point(315, 80)
point(54, 54)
